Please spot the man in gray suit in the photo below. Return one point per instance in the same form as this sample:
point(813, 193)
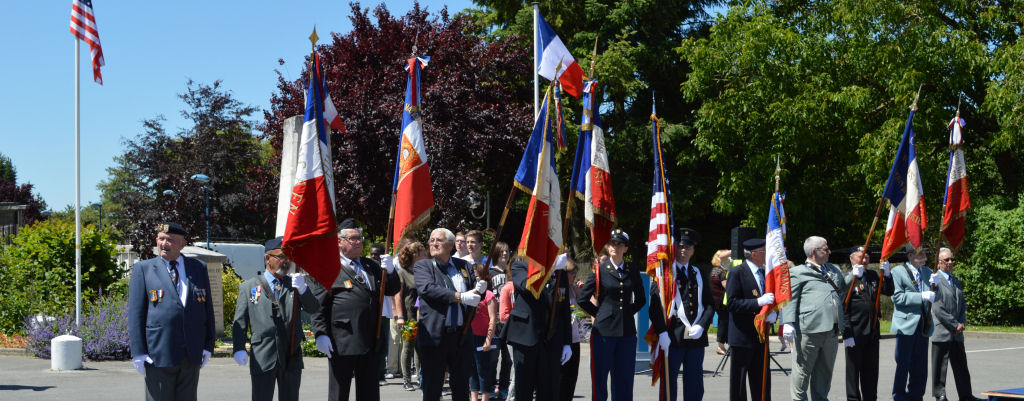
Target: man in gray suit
point(813, 318)
point(170, 318)
point(949, 311)
point(268, 308)
point(911, 324)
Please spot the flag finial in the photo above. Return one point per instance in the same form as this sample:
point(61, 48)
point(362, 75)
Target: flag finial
point(917, 96)
point(313, 38)
point(593, 58)
point(778, 170)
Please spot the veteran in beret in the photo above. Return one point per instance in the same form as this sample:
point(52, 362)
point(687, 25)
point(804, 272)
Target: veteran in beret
point(170, 318)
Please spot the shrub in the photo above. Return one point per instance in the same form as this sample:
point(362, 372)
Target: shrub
point(104, 331)
point(991, 263)
point(230, 282)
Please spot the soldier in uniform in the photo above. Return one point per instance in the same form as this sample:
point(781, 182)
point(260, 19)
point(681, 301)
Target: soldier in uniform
point(862, 325)
point(746, 296)
point(620, 295)
point(685, 337)
point(268, 308)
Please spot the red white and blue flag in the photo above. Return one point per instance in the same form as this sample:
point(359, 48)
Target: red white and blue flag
point(957, 200)
point(542, 233)
point(776, 263)
point(310, 237)
point(660, 254)
point(591, 177)
point(330, 112)
point(905, 194)
point(556, 63)
point(414, 196)
point(83, 26)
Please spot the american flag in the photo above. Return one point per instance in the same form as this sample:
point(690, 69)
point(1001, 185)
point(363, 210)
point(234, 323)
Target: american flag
point(83, 26)
point(659, 254)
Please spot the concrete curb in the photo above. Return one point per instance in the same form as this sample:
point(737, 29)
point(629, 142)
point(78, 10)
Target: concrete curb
point(14, 352)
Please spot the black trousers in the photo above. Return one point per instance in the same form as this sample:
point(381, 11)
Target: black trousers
point(537, 368)
point(954, 353)
point(570, 372)
point(748, 363)
point(287, 381)
point(454, 355)
point(504, 366)
point(179, 383)
point(342, 369)
point(862, 369)
point(723, 326)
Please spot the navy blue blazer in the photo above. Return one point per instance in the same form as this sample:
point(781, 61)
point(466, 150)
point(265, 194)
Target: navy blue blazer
point(436, 294)
point(528, 321)
point(349, 310)
point(741, 294)
point(161, 326)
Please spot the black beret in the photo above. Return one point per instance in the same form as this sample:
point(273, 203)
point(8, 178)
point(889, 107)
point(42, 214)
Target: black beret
point(687, 236)
point(273, 244)
point(619, 236)
point(753, 243)
point(348, 223)
point(171, 228)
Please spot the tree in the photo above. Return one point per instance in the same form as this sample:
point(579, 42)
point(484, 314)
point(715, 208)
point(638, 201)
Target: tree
point(826, 87)
point(219, 144)
point(475, 104)
point(7, 171)
point(10, 191)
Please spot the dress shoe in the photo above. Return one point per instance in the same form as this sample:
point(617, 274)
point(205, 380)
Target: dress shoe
point(941, 398)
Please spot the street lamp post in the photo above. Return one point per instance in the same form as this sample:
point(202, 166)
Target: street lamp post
point(99, 205)
point(204, 179)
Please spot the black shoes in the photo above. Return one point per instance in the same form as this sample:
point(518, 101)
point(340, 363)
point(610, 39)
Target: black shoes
point(408, 386)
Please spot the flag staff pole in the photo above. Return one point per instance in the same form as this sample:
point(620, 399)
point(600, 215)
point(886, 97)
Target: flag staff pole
point(394, 183)
point(664, 391)
point(573, 181)
point(78, 186)
point(536, 75)
point(764, 333)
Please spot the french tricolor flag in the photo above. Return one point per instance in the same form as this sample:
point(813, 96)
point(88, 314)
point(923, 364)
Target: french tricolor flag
point(555, 60)
point(906, 197)
point(957, 200)
point(310, 237)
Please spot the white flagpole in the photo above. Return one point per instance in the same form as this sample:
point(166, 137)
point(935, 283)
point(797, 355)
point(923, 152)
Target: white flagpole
point(78, 188)
point(536, 60)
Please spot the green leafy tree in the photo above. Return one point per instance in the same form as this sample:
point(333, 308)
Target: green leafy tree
point(991, 265)
point(7, 171)
point(37, 271)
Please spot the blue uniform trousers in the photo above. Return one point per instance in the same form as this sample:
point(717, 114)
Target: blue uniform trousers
point(692, 361)
point(617, 356)
point(911, 367)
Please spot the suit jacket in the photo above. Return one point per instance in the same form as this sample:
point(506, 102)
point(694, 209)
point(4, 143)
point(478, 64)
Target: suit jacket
point(437, 293)
point(621, 296)
point(741, 293)
point(906, 301)
point(275, 326)
point(349, 310)
point(164, 329)
point(528, 322)
point(677, 330)
point(815, 306)
point(949, 310)
point(861, 316)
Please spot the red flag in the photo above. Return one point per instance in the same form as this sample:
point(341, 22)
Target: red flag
point(310, 235)
point(957, 200)
point(83, 26)
point(414, 197)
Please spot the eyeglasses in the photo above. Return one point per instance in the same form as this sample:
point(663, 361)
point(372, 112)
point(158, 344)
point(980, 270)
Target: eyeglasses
point(280, 256)
point(824, 249)
point(950, 259)
point(354, 238)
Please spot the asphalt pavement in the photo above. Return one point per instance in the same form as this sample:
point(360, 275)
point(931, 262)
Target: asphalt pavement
point(994, 360)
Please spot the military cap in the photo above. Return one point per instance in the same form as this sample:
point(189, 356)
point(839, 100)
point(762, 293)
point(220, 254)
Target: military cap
point(619, 236)
point(171, 228)
point(753, 243)
point(687, 236)
point(273, 244)
point(348, 223)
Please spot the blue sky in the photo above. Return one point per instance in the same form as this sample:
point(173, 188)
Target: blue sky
point(151, 49)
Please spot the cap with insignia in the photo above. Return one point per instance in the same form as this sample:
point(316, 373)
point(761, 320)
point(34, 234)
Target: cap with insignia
point(348, 223)
point(273, 244)
point(687, 236)
point(753, 243)
point(171, 228)
point(619, 236)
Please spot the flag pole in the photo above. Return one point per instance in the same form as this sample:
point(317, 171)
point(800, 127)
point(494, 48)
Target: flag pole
point(536, 75)
point(78, 186)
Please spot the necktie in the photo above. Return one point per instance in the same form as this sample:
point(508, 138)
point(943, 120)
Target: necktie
point(760, 276)
point(277, 288)
point(174, 274)
point(453, 308)
point(359, 273)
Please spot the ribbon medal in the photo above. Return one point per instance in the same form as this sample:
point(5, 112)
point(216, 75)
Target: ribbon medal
point(254, 294)
point(153, 296)
point(200, 295)
point(347, 284)
point(465, 274)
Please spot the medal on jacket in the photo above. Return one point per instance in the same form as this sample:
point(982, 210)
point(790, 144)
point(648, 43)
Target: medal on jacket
point(465, 274)
point(200, 295)
point(254, 294)
point(153, 296)
point(347, 284)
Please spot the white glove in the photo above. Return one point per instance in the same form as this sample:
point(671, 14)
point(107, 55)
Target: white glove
point(788, 332)
point(858, 271)
point(663, 343)
point(387, 263)
point(766, 299)
point(481, 287)
point(772, 317)
point(241, 357)
point(323, 344)
point(470, 298)
point(206, 358)
point(140, 363)
point(560, 261)
point(928, 296)
point(934, 279)
point(885, 268)
point(299, 282)
point(695, 331)
point(566, 354)
point(848, 342)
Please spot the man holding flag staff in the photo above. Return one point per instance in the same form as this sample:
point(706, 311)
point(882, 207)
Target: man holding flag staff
point(746, 296)
point(862, 322)
point(692, 310)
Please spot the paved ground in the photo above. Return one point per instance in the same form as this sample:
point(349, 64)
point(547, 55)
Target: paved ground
point(995, 363)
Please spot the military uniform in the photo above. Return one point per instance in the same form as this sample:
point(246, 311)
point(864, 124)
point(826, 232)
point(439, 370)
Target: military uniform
point(746, 348)
point(862, 325)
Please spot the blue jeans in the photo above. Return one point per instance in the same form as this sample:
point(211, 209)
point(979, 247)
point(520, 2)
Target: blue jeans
point(482, 378)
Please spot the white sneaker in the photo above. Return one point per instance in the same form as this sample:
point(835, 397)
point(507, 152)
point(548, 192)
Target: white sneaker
point(389, 376)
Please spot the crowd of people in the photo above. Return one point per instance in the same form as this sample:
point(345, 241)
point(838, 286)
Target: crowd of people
point(443, 318)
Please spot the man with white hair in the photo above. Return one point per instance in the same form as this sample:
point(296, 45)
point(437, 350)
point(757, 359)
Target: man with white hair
point(813, 318)
point(912, 325)
point(448, 293)
point(950, 312)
